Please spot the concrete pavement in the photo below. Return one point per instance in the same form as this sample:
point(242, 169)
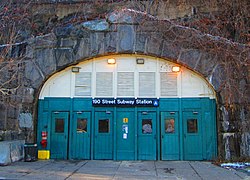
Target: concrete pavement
point(102, 170)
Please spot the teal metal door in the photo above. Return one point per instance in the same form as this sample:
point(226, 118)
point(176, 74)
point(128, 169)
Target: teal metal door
point(80, 146)
point(192, 136)
point(170, 144)
point(147, 135)
point(59, 135)
point(125, 134)
point(103, 142)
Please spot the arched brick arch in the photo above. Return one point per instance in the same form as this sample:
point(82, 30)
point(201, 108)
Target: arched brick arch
point(222, 63)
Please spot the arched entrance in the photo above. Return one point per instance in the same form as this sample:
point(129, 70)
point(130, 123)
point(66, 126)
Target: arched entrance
point(128, 107)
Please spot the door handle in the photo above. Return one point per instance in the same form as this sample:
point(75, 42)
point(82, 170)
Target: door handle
point(185, 136)
point(162, 136)
point(154, 136)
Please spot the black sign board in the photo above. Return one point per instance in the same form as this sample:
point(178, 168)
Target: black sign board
point(151, 102)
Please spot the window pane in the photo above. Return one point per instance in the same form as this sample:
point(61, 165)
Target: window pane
point(169, 125)
point(59, 126)
point(103, 126)
point(147, 126)
point(82, 125)
point(192, 126)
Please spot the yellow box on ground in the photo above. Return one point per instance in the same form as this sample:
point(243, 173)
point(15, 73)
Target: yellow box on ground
point(43, 154)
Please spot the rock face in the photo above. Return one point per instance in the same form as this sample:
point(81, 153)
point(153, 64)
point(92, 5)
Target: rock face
point(11, 151)
point(223, 63)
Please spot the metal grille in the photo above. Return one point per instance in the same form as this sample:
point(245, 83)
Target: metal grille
point(125, 84)
point(83, 84)
point(168, 84)
point(146, 84)
point(104, 84)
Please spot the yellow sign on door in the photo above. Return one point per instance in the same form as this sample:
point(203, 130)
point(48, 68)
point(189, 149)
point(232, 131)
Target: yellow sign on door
point(125, 120)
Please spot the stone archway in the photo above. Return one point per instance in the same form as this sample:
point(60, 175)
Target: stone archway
point(179, 105)
point(132, 32)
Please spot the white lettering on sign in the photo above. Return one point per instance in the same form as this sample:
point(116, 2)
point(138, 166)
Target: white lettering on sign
point(96, 101)
point(125, 102)
point(105, 101)
point(144, 101)
point(130, 102)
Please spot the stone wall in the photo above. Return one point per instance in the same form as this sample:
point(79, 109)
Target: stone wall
point(161, 9)
point(11, 151)
point(224, 64)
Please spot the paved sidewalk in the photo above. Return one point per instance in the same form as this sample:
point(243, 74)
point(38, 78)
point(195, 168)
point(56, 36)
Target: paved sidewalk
point(102, 170)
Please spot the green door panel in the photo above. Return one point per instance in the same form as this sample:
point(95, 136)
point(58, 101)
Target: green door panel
point(192, 135)
point(170, 145)
point(147, 135)
point(125, 135)
point(59, 135)
point(103, 142)
point(80, 146)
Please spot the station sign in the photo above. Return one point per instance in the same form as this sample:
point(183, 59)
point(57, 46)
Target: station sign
point(149, 102)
